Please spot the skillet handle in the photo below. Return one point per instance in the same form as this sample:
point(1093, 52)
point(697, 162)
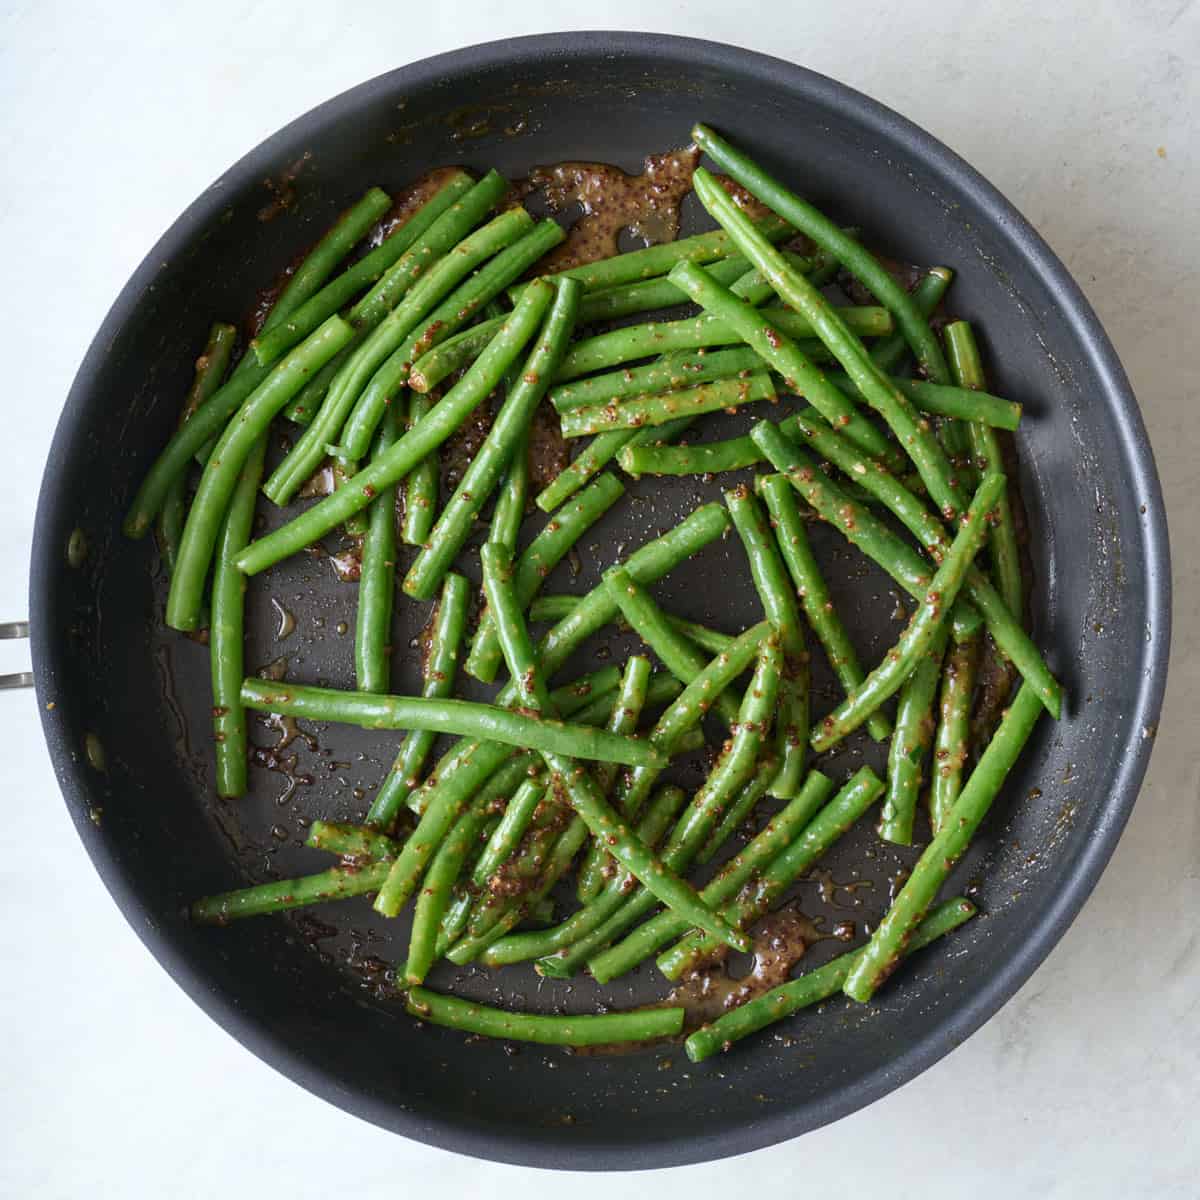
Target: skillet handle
point(21, 679)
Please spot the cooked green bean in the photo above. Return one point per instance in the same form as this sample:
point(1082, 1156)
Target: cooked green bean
point(954, 728)
point(370, 354)
point(890, 351)
point(779, 604)
point(465, 718)
point(914, 434)
point(337, 883)
point(453, 313)
point(922, 631)
point(812, 988)
point(836, 818)
point(555, 607)
point(280, 334)
point(910, 745)
point(451, 355)
point(753, 790)
point(772, 344)
point(597, 453)
point(210, 370)
point(443, 420)
point(720, 395)
point(350, 841)
point(778, 833)
point(540, 557)
point(511, 423)
point(985, 448)
point(658, 260)
point(509, 510)
point(960, 403)
point(220, 477)
point(575, 784)
point(377, 583)
point(510, 829)
point(708, 458)
point(859, 261)
point(883, 952)
point(438, 671)
point(226, 640)
point(632, 342)
point(639, 1025)
point(810, 586)
point(421, 484)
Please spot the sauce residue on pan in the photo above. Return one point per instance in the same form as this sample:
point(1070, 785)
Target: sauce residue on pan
point(611, 201)
point(407, 201)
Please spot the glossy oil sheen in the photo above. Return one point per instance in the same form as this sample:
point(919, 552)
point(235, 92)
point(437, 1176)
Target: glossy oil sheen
point(1101, 605)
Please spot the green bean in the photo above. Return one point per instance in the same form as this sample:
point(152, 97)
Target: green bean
point(510, 830)
point(960, 403)
point(511, 424)
point(709, 458)
point(449, 356)
point(779, 832)
point(639, 1025)
point(465, 718)
point(855, 797)
point(953, 731)
point(509, 510)
point(912, 432)
point(812, 988)
point(376, 586)
point(434, 896)
point(922, 630)
point(421, 484)
point(438, 671)
point(556, 607)
point(658, 260)
point(597, 453)
point(910, 745)
point(279, 334)
point(625, 299)
point(186, 597)
point(779, 604)
point(720, 395)
point(886, 946)
point(521, 947)
point(370, 354)
point(626, 712)
point(1002, 541)
point(926, 295)
point(679, 655)
point(753, 790)
point(665, 374)
point(337, 883)
point(683, 715)
point(783, 354)
point(575, 784)
point(542, 555)
point(210, 370)
point(455, 311)
point(632, 342)
point(309, 278)
point(350, 841)
point(863, 527)
point(814, 594)
point(853, 256)
point(226, 641)
point(445, 417)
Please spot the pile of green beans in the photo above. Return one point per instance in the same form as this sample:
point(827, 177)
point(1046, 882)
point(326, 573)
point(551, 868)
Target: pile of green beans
point(549, 791)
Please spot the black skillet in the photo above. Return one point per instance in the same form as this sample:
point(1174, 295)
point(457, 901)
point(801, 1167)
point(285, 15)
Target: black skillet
point(304, 995)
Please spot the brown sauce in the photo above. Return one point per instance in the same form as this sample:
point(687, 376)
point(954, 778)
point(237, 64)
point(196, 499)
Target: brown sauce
point(611, 202)
point(406, 202)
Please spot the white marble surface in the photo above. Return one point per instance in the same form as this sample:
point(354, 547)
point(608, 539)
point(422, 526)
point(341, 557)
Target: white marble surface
point(116, 116)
